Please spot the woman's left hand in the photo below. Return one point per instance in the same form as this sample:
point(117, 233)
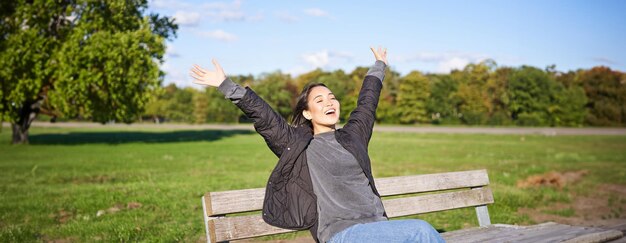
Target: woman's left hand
point(380, 54)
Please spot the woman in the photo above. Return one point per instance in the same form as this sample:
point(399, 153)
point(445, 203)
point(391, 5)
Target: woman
point(323, 179)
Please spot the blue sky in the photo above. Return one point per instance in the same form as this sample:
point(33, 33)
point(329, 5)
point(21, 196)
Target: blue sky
point(253, 37)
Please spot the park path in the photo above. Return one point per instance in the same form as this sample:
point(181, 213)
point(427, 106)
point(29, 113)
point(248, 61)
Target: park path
point(549, 131)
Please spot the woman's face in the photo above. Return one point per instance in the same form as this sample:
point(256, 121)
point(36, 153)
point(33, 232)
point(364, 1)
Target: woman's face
point(323, 107)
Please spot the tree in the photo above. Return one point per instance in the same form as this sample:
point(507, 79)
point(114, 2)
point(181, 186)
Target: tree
point(86, 58)
point(443, 103)
point(498, 97)
point(413, 95)
point(606, 91)
point(278, 90)
point(474, 101)
point(531, 91)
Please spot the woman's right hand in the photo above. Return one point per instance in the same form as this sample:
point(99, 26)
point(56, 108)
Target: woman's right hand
point(207, 77)
point(380, 54)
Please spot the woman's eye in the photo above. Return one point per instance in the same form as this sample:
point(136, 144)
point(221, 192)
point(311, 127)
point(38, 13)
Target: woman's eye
point(318, 101)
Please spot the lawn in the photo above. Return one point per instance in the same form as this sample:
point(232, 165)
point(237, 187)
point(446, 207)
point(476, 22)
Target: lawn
point(105, 184)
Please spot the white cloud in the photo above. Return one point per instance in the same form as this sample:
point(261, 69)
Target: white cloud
point(287, 17)
point(605, 60)
point(316, 12)
point(325, 58)
point(341, 54)
point(228, 12)
point(216, 11)
point(176, 76)
point(187, 18)
point(452, 64)
point(168, 4)
point(236, 4)
point(318, 59)
point(171, 52)
point(446, 61)
point(219, 35)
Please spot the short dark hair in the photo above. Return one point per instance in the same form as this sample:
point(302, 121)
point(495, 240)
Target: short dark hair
point(302, 104)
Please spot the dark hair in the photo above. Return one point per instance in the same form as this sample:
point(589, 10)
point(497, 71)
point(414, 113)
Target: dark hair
point(302, 104)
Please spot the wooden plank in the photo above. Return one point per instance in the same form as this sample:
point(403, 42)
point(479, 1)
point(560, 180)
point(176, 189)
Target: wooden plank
point(398, 185)
point(233, 228)
point(475, 234)
point(546, 232)
point(242, 227)
point(603, 236)
point(235, 201)
point(437, 202)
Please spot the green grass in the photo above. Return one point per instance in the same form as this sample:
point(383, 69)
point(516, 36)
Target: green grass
point(54, 187)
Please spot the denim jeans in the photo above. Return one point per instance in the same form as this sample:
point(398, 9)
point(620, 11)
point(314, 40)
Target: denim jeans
point(409, 230)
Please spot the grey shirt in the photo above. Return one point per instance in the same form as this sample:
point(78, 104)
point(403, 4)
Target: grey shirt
point(344, 195)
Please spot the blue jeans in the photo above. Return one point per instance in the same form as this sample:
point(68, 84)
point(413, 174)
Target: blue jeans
point(409, 230)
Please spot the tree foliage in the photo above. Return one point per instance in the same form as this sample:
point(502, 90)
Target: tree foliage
point(413, 95)
point(92, 59)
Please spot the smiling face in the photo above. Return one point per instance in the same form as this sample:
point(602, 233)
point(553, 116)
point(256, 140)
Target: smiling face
point(323, 109)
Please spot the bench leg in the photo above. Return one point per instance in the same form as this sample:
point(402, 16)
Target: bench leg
point(206, 221)
point(483, 216)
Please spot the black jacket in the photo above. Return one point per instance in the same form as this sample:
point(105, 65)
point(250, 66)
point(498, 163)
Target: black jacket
point(289, 198)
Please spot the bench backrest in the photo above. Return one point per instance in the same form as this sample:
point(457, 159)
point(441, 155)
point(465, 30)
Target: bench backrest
point(454, 190)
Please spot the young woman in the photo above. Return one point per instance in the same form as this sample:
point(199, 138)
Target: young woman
point(323, 179)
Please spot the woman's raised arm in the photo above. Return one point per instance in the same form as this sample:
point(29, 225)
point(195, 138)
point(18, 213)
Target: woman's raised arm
point(269, 124)
point(363, 117)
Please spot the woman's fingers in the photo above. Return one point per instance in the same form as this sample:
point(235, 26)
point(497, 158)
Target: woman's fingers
point(380, 53)
point(199, 69)
point(196, 77)
point(217, 65)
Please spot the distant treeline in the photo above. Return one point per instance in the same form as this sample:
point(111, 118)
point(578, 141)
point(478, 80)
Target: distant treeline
point(480, 94)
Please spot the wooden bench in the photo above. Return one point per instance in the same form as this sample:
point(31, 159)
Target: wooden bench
point(424, 194)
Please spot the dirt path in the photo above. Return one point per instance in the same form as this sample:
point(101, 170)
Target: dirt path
point(548, 131)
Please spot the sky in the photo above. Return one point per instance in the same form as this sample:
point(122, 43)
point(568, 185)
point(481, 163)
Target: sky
point(256, 37)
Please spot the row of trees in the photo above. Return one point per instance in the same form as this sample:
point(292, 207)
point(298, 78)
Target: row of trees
point(480, 94)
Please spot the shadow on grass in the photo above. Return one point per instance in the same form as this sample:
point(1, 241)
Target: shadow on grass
point(76, 138)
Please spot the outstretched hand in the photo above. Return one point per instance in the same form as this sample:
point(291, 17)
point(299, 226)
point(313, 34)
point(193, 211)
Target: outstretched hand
point(380, 54)
point(207, 77)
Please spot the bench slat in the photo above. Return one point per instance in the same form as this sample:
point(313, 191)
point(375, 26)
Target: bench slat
point(546, 232)
point(399, 185)
point(437, 202)
point(235, 201)
point(233, 228)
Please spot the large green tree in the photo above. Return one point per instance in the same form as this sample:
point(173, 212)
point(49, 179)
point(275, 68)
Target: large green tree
point(94, 59)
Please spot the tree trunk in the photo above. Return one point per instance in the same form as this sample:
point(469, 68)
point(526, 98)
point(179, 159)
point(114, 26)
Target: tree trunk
point(28, 113)
point(20, 134)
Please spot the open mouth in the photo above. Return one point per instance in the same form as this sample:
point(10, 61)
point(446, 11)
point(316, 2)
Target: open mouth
point(329, 112)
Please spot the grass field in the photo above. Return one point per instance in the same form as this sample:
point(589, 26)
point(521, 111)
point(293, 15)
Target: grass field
point(146, 184)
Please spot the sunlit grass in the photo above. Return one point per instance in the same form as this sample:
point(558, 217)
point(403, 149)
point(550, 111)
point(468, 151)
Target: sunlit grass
point(54, 187)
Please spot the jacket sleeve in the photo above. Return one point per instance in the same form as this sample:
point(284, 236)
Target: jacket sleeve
point(362, 118)
point(269, 124)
